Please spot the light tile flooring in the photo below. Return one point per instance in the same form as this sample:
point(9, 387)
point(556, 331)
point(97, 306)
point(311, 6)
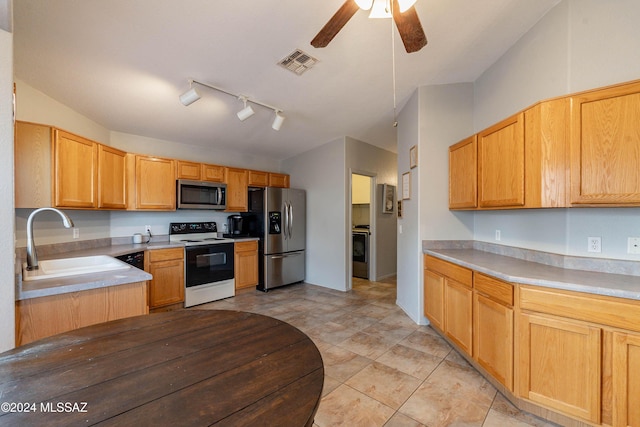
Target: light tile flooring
point(381, 369)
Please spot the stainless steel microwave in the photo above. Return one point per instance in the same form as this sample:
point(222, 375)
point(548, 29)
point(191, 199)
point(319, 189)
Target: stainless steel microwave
point(201, 194)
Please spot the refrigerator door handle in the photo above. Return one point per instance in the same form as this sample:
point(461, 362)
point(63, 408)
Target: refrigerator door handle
point(290, 220)
point(286, 221)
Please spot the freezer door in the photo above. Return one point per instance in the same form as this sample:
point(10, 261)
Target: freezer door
point(283, 269)
point(274, 221)
point(297, 219)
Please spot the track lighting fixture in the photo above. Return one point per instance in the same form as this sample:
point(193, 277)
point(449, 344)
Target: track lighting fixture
point(247, 111)
point(191, 96)
point(278, 120)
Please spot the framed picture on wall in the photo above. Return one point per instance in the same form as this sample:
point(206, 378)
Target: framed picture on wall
point(399, 208)
point(413, 156)
point(388, 196)
point(406, 186)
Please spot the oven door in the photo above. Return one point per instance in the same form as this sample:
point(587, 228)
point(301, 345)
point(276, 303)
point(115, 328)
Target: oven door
point(208, 263)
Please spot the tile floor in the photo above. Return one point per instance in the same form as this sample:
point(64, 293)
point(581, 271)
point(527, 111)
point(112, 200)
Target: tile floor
point(381, 369)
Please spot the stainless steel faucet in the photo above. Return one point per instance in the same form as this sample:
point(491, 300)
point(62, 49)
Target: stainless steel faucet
point(32, 256)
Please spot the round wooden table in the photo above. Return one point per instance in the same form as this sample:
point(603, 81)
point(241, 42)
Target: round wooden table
point(188, 367)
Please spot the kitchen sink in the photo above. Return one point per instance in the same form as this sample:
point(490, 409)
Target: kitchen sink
point(72, 267)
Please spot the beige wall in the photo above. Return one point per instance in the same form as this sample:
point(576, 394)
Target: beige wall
point(7, 278)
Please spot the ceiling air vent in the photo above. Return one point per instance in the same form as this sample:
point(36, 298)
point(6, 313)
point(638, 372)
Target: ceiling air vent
point(298, 62)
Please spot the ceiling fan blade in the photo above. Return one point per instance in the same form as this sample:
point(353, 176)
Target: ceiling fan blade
point(410, 28)
point(335, 24)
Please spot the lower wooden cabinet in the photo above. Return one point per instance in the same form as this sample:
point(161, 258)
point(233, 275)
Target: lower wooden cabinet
point(167, 268)
point(560, 365)
point(434, 299)
point(46, 316)
point(246, 264)
point(626, 379)
point(448, 300)
point(458, 311)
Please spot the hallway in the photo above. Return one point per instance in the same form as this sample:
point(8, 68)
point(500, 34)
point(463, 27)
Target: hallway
point(381, 369)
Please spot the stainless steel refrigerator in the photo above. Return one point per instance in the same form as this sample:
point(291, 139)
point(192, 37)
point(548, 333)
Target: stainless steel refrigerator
point(281, 216)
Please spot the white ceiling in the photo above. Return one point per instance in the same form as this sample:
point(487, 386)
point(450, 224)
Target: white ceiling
point(123, 63)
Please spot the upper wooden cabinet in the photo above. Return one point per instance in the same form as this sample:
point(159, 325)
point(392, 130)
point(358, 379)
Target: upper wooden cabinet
point(501, 164)
point(199, 171)
point(605, 146)
point(188, 170)
point(237, 189)
point(153, 182)
point(278, 180)
point(33, 166)
point(258, 179)
point(112, 188)
point(213, 173)
point(58, 168)
point(521, 162)
point(463, 174)
point(75, 171)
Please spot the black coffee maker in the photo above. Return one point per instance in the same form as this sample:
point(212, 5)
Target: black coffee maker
point(235, 226)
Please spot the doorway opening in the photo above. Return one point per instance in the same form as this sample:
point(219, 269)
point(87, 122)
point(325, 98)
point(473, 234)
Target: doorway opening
point(362, 251)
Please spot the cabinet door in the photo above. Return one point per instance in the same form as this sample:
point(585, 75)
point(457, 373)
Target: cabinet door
point(213, 173)
point(75, 171)
point(434, 299)
point(246, 264)
point(112, 187)
point(560, 365)
point(626, 380)
point(167, 286)
point(278, 180)
point(32, 149)
point(188, 170)
point(605, 146)
point(458, 313)
point(237, 189)
point(463, 174)
point(258, 179)
point(501, 164)
point(493, 338)
point(155, 183)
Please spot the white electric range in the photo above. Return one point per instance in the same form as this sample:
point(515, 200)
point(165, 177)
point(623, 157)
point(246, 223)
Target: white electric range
point(209, 262)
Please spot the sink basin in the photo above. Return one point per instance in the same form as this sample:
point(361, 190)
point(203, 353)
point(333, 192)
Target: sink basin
point(72, 267)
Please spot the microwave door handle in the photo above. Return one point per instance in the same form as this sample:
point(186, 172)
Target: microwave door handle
point(219, 196)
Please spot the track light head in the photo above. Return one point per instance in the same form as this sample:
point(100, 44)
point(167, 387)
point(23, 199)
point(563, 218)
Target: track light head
point(247, 111)
point(278, 120)
point(189, 97)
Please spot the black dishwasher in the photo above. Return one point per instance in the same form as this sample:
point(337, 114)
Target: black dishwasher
point(135, 259)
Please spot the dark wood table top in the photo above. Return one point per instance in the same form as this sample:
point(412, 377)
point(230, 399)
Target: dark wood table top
point(188, 367)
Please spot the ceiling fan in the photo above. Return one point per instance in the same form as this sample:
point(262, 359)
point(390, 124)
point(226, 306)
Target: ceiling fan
point(404, 15)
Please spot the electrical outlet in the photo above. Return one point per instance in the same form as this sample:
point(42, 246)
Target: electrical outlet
point(147, 229)
point(594, 244)
point(498, 236)
point(76, 233)
point(633, 245)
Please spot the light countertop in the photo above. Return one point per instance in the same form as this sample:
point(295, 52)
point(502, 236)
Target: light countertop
point(516, 270)
point(61, 285)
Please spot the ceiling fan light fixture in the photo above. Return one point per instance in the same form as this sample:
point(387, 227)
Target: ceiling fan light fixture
point(364, 4)
point(278, 120)
point(189, 97)
point(404, 5)
point(380, 9)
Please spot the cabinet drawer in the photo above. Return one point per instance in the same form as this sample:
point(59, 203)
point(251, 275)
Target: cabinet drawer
point(459, 274)
point(165, 254)
point(249, 246)
point(604, 310)
point(494, 288)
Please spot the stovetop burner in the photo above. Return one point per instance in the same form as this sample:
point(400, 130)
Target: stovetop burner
point(195, 233)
